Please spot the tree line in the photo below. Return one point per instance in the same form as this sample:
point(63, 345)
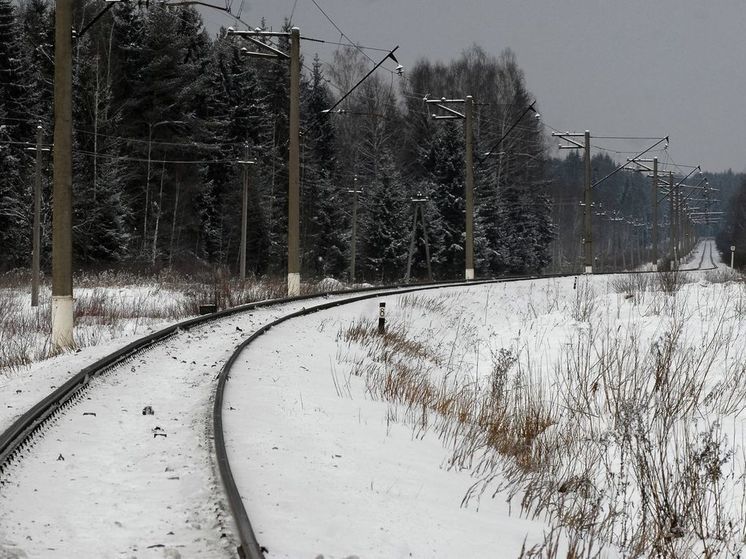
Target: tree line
point(164, 112)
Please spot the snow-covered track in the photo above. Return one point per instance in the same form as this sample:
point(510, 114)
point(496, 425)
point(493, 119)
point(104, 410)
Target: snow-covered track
point(250, 547)
point(21, 432)
point(24, 432)
point(28, 430)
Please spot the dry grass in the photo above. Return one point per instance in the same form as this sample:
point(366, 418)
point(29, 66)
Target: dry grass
point(108, 305)
point(632, 443)
point(723, 275)
point(632, 286)
point(669, 282)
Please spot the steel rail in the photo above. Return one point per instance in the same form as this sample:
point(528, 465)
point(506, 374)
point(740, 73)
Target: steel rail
point(22, 431)
point(250, 548)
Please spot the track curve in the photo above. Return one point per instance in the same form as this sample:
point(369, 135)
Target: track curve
point(26, 428)
point(250, 547)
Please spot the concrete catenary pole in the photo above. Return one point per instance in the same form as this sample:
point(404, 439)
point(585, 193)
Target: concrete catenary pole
point(588, 213)
point(294, 167)
point(35, 255)
point(672, 220)
point(353, 247)
point(654, 197)
point(244, 211)
point(468, 130)
point(62, 283)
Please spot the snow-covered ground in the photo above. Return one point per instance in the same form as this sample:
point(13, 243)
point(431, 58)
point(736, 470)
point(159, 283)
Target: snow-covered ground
point(328, 464)
point(328, 468)
point(104, 467)
point(325, 470)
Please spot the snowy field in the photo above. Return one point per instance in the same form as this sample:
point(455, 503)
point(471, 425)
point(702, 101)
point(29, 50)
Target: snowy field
point(603, 413)
point(499, 416)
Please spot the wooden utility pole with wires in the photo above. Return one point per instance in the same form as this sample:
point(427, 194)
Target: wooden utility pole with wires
point(654, 196)
point(353, 243)
point(245, 164)
point(468, 117)
point(588, 222)
point(36, 233)
point(62, 277)
point(419, 209)
point(642, 164)
point(587, 191)
point(672, 221)
point(294, 167)
point(268, 51)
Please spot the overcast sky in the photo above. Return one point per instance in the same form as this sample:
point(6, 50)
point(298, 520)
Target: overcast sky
point(623, 67)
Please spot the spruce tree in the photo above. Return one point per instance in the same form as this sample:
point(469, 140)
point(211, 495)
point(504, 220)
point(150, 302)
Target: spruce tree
point(323, 224)
point(16, 129)
point(385, 232)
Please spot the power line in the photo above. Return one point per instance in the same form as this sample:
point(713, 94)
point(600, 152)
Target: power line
point(337, 43)
point(342, 33)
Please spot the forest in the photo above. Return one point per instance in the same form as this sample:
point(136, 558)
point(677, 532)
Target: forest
point(164, 113)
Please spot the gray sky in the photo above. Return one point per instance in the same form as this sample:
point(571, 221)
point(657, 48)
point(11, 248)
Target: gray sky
point(623, 67)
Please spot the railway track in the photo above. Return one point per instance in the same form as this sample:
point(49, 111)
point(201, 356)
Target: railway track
point(124, 414)
point(707, 251)
point(29, 429)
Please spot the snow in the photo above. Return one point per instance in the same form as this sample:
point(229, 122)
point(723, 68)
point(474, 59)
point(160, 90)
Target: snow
point(330, 475)
point(325, 467)
point(148, 493)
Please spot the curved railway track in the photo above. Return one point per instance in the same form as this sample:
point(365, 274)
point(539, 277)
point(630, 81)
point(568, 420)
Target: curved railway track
point(29, 428)
point(27, 431)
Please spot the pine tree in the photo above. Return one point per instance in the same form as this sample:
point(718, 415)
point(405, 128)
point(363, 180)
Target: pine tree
point(15, 129)
point(443, 163)
point(512, 215)
point(385, 233)
point(235, 115)
point(323, 225)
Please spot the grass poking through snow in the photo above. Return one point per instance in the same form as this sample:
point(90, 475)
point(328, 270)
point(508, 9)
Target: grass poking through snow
point(627, 435)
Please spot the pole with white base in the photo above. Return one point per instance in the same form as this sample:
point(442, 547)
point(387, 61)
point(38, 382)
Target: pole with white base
point(294, 168)
point(62, 277)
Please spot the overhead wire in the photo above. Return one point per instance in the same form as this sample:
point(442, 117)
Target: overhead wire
point(342, 33)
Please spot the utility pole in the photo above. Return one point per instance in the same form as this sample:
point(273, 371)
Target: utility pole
point(588, 225)
point(654, 196)
point(468, 126)
point(677, 223)
point(294, 168)
point(419, 202)
point(36, 233)
point(679, 226)
point(268, 51)
point(672, 220)
point(353, 248)
point(62, 282)
point(244, 210)
point(468, 117)
point(587, 191)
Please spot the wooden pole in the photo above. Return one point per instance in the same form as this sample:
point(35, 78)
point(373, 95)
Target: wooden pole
point(294, 167)
point(468, 128)
point(62, 282)
point(35, 257)
point(588, 222)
